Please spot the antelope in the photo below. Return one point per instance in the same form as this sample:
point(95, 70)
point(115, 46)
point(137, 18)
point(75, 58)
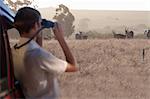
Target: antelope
point(119, 36)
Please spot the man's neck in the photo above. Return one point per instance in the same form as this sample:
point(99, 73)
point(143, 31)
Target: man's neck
point(38, 39)
point(26, 36)
point(30, 35)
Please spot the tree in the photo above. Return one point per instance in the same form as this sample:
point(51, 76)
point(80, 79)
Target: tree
point(66, 18)
point(14, 5)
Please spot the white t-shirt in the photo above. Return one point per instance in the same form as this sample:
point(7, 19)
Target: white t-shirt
point(37, 70)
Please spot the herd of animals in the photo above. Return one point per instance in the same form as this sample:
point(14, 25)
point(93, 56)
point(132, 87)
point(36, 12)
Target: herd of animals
point(128, 34)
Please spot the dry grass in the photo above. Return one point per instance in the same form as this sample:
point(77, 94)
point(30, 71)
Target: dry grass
point(108, 69)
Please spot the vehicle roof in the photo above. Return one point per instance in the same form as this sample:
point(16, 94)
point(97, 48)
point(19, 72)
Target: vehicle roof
point(6, 11)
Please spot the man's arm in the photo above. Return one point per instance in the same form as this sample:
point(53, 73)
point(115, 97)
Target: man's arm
point(69, 57)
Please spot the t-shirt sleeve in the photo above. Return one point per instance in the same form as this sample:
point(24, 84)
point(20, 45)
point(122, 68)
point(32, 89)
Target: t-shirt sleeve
point(51, 63)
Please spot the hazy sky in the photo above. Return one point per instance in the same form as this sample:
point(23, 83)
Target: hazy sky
point(98, 4)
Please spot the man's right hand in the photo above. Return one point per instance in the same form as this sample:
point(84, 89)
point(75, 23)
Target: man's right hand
point(58, 31)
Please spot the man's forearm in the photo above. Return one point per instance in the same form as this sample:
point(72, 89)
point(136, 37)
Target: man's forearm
point(59, 36)
point(69, 57)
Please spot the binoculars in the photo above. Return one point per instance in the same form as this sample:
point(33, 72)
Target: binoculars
point(47, 24)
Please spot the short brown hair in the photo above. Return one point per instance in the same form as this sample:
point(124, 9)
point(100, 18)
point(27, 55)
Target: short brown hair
point(25, 19)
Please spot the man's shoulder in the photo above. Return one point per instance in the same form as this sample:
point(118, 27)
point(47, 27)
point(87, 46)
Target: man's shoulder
point(38, 52)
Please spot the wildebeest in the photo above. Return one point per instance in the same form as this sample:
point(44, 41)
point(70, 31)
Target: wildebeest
point(80, 36)
point(147, 33)
point(118, 36)
point(129, 34)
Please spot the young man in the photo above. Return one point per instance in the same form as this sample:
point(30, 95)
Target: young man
point(36, 68)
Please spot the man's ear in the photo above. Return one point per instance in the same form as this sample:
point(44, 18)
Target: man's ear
point(35, 27)
point(39, 24)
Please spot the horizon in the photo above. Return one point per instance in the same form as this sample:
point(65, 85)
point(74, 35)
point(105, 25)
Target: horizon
point(133, 5)
point(98, 9)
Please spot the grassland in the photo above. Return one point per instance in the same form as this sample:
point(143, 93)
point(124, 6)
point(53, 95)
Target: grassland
point(108, 69)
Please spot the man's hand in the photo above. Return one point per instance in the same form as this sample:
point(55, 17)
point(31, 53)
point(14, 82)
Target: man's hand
point(58, 31)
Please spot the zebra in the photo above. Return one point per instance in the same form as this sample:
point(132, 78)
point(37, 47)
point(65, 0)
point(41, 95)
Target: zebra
point(147, 33)
point(129, 34)
point(80, 36)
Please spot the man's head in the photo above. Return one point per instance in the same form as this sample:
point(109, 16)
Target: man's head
point(27, 19)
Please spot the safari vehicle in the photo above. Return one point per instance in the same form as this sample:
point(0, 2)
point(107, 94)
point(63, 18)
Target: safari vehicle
point(9, 87)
